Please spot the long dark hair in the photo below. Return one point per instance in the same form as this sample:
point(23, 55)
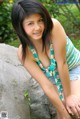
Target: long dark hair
point(24, 8)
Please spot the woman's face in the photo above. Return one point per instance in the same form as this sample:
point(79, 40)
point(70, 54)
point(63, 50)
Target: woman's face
point(34, 27)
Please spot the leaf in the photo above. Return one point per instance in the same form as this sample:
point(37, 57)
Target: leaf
point(26, 93)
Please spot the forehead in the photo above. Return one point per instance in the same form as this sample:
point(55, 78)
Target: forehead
point(32, 17)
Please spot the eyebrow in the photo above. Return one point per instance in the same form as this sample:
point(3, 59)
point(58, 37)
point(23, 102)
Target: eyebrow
point(32, 21)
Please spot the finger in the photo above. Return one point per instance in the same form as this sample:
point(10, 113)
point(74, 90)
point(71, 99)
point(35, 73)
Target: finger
point(79, 103)
point(78, 110)
point(77, 106)
point(79, 98)
point(78, 117)
point(74, 110)
point(69, 110)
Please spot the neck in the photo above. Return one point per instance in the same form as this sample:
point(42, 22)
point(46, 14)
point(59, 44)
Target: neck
point(38, 45)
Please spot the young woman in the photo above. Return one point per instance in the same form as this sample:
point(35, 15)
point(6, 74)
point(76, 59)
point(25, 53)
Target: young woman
point(49, 56)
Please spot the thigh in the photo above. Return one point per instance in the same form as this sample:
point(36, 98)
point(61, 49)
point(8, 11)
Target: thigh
point(75, 87)
point(75, 80)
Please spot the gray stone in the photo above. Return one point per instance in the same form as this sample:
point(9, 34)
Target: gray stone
point(14, 81)
point(41, 108)
point(13, 84)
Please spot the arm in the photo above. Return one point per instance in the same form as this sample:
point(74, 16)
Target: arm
point(45, 84)
point(59, 44)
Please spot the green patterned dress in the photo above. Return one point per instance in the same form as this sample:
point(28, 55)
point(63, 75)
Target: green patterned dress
point(73, 60)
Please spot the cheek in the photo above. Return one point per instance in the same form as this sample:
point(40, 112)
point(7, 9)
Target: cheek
point(27, 31)
point(43, 27)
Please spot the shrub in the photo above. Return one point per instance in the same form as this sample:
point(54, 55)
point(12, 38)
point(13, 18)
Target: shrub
point(6, 30)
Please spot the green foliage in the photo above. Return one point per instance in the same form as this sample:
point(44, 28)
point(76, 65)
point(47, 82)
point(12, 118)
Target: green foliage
point(68, 15)
point(76, 43)
point(6, 30)
point(15, 43)
point(70, 19)
point(26, 93)
point(51, 7)
point(65, 13)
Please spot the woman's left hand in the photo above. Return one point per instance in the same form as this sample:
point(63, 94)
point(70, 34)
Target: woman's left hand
point(72, 104)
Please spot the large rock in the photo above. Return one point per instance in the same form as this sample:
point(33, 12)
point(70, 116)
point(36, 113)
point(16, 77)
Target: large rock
point(41, 108)
point(14, 81)
point(13, 84)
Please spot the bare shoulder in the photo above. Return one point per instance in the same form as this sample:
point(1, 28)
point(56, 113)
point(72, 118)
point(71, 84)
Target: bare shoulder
point(56, 22)
point(59, 41)
point(29, 56)
point(19, 53)
point(58, 30)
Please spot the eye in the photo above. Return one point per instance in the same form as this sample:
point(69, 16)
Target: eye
point(41, 20)
point(30, 24)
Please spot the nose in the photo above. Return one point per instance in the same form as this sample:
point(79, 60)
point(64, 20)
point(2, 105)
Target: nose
point(37, 26)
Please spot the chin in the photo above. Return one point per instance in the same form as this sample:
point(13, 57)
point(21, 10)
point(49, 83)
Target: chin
point(37, 39)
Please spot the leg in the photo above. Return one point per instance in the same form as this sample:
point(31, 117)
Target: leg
point(75, 84)
point(75, 88)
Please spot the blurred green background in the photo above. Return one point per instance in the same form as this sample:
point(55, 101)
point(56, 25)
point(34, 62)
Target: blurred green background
point(68, 14)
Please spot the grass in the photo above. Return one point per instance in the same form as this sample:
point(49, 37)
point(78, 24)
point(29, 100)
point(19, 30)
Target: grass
point(67, 22)
point(76, 43)
point(14, 43)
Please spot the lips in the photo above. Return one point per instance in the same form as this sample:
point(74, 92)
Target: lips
point(37, 33)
